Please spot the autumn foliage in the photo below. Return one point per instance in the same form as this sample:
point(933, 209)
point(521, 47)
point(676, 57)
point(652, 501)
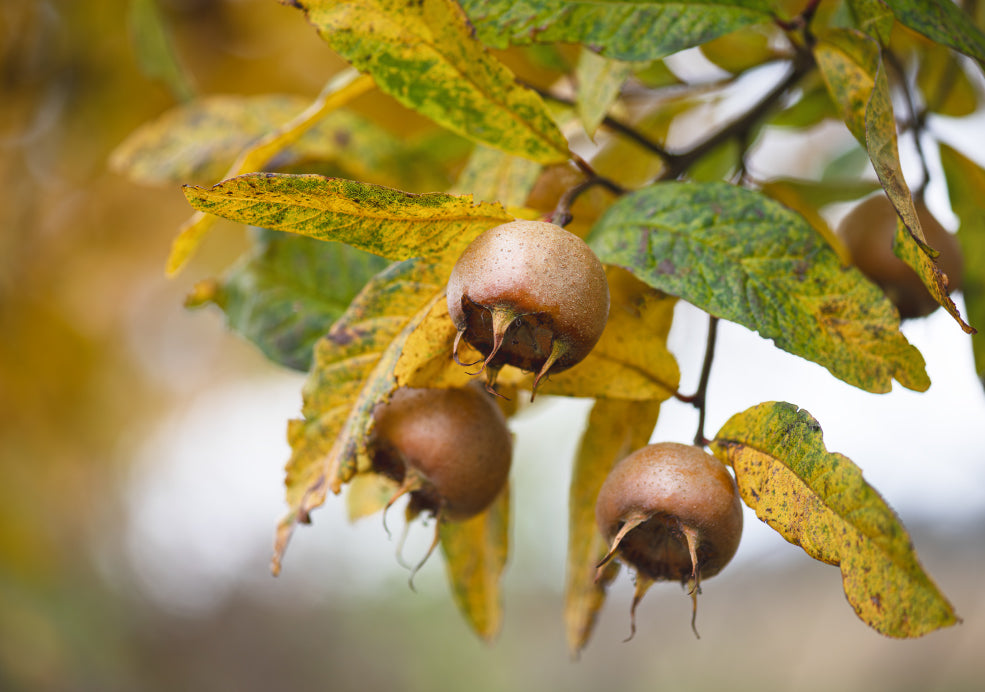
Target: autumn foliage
point(563, 112)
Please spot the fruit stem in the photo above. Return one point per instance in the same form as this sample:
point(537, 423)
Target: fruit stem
point(699, 398)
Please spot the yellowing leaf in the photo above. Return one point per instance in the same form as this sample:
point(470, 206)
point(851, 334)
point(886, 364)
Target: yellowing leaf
point(368, 493)
point(425, 55)
point(966, 189)
point(475, 553)
point(741, 256)
point(853, 70)
point(352, 372)
point(338, 92)
point(491, 175)
point(631, 360)
point(426, 360)
point(819, 500)
point(599, 83)
point(615, 429)
point(387, 222)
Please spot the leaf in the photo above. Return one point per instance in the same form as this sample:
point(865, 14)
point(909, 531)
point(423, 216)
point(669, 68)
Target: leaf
point(341, 89)
point(966, 188)
point(631, 359)
point(873, 18)
point(807, 197)
point(942, 21)
point(819, 500)
point(493, 176)
point(855, 75)
point(387, 222)
point(742, 50)
point(368, 493)
point(615, 429)
point(743, 257)
point(424, 54)
point(475, 555)
point(155, 50)
point(944, 84)
point(352, 372)
point(599, 82)
point(286, 293)
point(629, 30)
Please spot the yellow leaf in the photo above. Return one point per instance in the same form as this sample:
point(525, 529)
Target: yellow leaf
point(475, 555)
point(615, 429)
point(819, 500)
point(338, 92)
point(426, 56)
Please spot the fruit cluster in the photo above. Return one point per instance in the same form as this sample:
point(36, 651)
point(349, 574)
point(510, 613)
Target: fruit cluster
point(532, 295)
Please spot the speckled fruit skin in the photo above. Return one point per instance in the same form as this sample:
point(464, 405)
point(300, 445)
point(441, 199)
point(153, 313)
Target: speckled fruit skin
point(455, 439)
point(549, 278)
point(678, 486)
point(868, 231)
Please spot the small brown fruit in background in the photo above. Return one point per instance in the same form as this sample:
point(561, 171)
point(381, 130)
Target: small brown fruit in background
point(528, 294)
point(868, 231)
point(672, 512)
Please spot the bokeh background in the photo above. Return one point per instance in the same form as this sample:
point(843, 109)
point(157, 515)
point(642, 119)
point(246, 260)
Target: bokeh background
point(142, 445)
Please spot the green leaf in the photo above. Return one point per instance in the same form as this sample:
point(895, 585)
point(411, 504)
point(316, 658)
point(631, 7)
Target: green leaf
point(615, 429)
point(387, 222)
point(353, 370)
point(743, 257)
point(599, 82)
point(851, 65)
point(475, 553)
point(424, 54)
point(631, 30)
point(942, 21)
point(872, 17)
point(819, 500)
point(966, 188)
point(286, 293)
point(155, 50)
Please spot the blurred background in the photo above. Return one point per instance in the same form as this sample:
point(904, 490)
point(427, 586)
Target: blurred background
point(142, 445)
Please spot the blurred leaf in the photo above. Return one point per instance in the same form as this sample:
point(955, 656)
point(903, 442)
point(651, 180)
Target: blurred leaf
point(387, 222)
point(741, 50)
point(853, 70)
point(341, 89)
point(352, 372)
point(811, 108)
point(743, 257)
point(615, 429)
point(368, 493)
point(819, 500)
point(720, 163)
point(942, 21)
point(966, 188)
point(493, 176)
point(475, 555)
point(599, 82)
point(197, 142)
point(424, 54)
point(285, 294)
point(872, 17)
point(654, 74)
point(944, 84)
point(621, 29)
point(155, 50)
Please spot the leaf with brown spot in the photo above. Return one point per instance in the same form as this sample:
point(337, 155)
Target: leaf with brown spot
point(819, 500)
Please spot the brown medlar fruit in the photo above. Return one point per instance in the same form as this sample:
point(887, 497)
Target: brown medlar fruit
point(672, 512)
point(528, 294)
point(868, 231)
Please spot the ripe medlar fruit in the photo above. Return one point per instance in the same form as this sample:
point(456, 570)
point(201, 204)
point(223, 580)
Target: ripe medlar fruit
point(450, 449)
point(528, 294)
point(868, 231)
point(672, 512)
